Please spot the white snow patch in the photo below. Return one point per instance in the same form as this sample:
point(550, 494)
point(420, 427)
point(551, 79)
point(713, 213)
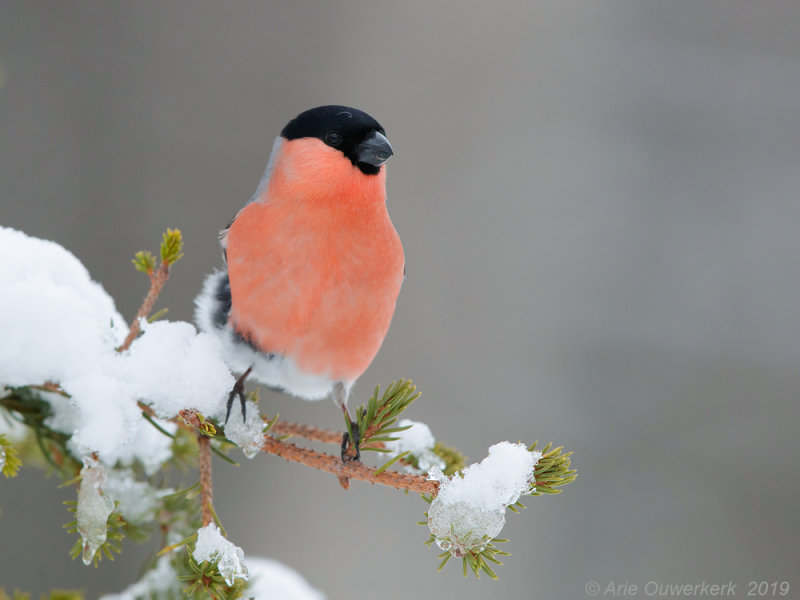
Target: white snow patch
point(154, 584)
point(104, 408)
point(14, 431)
point(419, 441)
point(270, 580)
point(60, 326)
point(172, 367)
point(469, 510)
point(55, 320)
point(138, 500)
point(211, 546)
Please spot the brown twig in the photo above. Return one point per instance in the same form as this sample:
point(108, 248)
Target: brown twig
point(206, 489)
point(309, 432)
point(352, 470)
point(318, 460)
point(157, 280)
point(191, 418)
point(315, 434)
point(326, 436)
point(49, 386)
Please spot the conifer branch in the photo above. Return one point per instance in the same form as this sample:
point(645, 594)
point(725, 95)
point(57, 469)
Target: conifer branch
point(353, 470)
point(157, 280)
point(179, 514)
point(377, 417)
point(206, 489)
point(145, 262)
point(309, 432)
point(204, 430)
point(49, 386)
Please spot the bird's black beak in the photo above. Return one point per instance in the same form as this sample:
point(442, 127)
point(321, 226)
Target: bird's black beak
point(375, 150)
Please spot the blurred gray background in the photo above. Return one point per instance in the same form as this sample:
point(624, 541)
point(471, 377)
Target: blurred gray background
point(599, 202)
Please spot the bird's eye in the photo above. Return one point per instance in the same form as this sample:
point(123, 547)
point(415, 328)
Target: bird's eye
point(333, 138)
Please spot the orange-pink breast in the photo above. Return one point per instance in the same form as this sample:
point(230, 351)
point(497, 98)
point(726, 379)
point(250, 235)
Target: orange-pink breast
point(315, 264)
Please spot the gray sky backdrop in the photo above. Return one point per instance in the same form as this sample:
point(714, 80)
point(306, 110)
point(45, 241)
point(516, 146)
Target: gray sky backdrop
point(599, 202)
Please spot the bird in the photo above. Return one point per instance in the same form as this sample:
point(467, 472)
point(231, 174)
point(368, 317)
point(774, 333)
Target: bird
point(313, 265)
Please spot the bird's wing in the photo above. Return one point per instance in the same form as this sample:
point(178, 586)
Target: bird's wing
point(260, 189)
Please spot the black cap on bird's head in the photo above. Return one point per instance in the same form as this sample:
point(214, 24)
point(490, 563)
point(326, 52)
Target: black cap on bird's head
point(357, 135)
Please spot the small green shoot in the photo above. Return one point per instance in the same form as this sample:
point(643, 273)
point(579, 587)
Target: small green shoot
point(171, 246)
point(9, 458)
point(144, 261)
point(375, 420)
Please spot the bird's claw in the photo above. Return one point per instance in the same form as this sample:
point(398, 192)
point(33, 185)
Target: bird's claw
point(351, 451)
point(238, 390)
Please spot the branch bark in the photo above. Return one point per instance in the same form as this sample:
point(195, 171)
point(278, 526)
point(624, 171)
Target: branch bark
point(206, 488)
point(353, 470)
point(157, 281)
point(309, 432)
point(191, 419)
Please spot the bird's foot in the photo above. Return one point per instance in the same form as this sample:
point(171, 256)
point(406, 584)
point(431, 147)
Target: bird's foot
point(350, 448)
point(238, 391)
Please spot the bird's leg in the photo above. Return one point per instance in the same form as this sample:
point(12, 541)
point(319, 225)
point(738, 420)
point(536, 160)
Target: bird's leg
point(238, 390)
point(350, 448)
point(350, 452)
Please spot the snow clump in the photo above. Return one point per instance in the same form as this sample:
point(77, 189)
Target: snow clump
point(419, 441)
point(469, 510)
point(59, 326)
point(213, 547)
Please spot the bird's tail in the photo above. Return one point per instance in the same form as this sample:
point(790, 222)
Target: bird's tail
point(213, 303)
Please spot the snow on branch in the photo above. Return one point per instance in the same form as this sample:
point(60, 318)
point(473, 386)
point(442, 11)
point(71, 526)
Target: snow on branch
point(109, 407)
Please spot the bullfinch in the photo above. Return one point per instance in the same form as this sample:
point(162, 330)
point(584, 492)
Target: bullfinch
point(313, 264)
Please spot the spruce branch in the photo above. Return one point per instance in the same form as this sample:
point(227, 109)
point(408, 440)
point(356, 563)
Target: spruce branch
point(309, 432)
point(552, 471)
point(205, 577)
point(375, 420)
point(49, 386)
point(205, 430)
point(453, 459)
point(144, 261)
point(476, 562)
point(25, 405)
point(206, 489)
point(180, 517)
point(352, 470)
